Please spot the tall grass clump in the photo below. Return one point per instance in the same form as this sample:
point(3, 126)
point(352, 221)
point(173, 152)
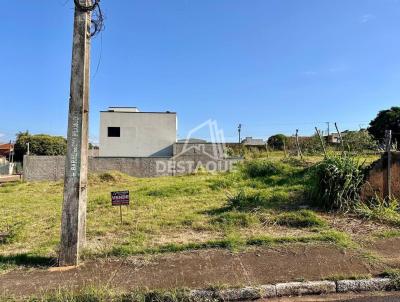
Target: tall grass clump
point(336, 182)
point(262, 168)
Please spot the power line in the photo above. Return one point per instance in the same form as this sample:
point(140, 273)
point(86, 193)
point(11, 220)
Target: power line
point(97, 15)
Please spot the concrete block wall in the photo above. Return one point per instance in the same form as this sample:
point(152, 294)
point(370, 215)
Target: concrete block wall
point(376, 182)
point(39, 168)
point(133, 166)
point(204, 149)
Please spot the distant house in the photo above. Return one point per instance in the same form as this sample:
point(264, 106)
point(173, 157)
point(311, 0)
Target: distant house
point(334, 138)
point(128, 132)
point(6, 150)
point(192, 141)
point(253, 142)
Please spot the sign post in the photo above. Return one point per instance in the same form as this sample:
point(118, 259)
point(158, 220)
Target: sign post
point(120, 198)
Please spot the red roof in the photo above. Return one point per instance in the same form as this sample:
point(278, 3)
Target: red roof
point(5, 149)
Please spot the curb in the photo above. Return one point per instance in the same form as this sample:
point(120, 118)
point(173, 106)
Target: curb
point(292, 289)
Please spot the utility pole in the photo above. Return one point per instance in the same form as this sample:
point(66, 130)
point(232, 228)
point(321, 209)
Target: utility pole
point(27, 151)
point(328, 123)
point(239, 130)
point(73, 225)
point(340, 138)
point(321, 141)
point(388, 137)
point(298, 145)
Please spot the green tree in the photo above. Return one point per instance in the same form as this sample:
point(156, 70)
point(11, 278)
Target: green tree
point(386, 120)
point(359, 141)
point(311, 145)
point(277, 141)
point(40, 144)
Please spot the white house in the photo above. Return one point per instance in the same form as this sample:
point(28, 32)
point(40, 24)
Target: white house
point(128, 132)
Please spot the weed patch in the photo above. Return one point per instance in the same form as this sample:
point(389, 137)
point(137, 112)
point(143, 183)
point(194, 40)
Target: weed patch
point(103, 294)
point(384, 212)
point(299, 219)
point(262, 168)
point(250, 200)
point(336, 183)
point(235, 218)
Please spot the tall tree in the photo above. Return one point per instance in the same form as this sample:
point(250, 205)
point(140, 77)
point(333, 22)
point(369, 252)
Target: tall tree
point(386, 120)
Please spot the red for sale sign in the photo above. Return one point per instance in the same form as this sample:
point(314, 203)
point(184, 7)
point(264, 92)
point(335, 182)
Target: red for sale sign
point(120, 198)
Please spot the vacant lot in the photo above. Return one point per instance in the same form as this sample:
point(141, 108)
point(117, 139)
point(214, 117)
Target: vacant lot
point(255, 205)
point(258, 224)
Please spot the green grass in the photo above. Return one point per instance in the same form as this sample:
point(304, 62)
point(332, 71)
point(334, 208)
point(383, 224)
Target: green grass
point(167, 214)
point(299, 219)
point(234, 242)
point(101, 294)
point(387, 234)
point(386, 212)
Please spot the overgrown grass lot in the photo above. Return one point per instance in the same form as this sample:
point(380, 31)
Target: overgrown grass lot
point(265, 201)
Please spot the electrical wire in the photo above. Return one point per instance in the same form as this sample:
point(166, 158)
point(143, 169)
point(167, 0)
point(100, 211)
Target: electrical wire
point(97, 15)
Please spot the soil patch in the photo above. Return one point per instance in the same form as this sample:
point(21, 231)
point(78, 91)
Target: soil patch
point(356, 227)
point(195, 269)
point(388, 249)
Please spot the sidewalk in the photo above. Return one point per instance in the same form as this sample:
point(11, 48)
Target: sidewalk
point(202, 269)
point(10, 178)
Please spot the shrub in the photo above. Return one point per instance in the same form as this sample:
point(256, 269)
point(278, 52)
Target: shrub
point(311, 145)
point(359, 141)
point(336, 183)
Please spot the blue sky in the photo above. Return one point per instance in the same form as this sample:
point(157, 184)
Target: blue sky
point(272, 65)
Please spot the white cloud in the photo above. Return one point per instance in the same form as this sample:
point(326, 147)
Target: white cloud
point(309, 73)
point(367, 18)
point(338, 68)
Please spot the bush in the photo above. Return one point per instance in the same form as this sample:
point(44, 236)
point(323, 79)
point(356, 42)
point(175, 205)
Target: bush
point(311, 145)
point(359, 141)
point(336, 183)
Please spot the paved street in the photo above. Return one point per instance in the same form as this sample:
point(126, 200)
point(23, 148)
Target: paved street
point(375, 299)
point(350, 297)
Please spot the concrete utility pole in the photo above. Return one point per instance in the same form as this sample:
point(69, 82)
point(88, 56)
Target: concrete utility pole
point(239, 130)
point(73, 226)
point(388, 136)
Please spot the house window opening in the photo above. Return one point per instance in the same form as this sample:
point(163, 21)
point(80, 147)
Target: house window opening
point(114, 131)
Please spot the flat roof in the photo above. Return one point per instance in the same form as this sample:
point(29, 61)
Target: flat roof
point(163, 112)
